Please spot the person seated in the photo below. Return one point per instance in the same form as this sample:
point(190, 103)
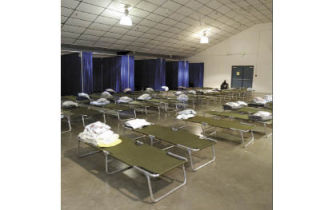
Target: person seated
point(224, 85)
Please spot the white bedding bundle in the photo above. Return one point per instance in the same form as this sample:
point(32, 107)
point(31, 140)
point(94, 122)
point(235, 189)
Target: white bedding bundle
point(183, 98)
point(110, 90)
point(124, 99)
point(106, 95)
point(100, 102)
point(69, 104)
point(259, 100)
point(137, 123)
point(192, 92)
point(127, 90)
point(261, 115)
point(84, 95)
point(144, 97)
point(186, 114)
point(165, 88)
point(149, 89)
point(98, 133)
point(268, 98)
point(178, 93)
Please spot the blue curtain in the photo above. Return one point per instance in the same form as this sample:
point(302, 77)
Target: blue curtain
point(70, 74)
point(87, 72)
point(150, 73)
point(127, 72)
point(111, 72)
point(97, 75)
point(172, 75)
point(196, 72)
point(177, 74)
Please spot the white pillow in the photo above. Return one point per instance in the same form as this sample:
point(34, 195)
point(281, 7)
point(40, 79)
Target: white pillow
point(84, 95)
point(68, 104)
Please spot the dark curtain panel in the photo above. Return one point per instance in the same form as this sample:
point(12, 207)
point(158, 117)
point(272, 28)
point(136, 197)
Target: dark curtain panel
point(111, 70)
point(87, 72)
point(97, 75)
point(150, 73)
point(196, 72)
point(127, 72)
point(70, 74)
point(172, 75)
point(183, 73)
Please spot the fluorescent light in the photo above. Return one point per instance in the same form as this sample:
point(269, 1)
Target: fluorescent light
point(204, 40)
point(126, 19)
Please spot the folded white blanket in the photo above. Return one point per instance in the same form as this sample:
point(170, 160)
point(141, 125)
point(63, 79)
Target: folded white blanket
point(234, 105)
point(100, 102)
point(185, 116)
point(242, 103)
point(106, 94)
point(145, 96)
point(192, 92)
point(149, 89)
point(127, 90)
point(68, 104)
point(84, 95)
point(268, 98)
point(124, 99)
point(187, 111)
point(137, 123)
point(183, 98)
point(110, 90)
point(165, 88)
point(177, 93)
point(98, 132)
point(259, 100)
point(262, 114)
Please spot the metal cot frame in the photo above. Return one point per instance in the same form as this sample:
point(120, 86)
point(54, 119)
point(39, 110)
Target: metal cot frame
point(188, 149)
point(148, 175)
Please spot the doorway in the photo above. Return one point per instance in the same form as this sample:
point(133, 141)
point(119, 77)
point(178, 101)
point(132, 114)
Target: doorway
point(242, 76)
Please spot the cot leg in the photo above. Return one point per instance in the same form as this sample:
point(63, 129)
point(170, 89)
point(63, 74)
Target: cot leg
point(83, 122)
point(206, 163)
point(86, 154)
point(108, 171)
point(69, 126)
point(153, 199)
point(145, 110)
point(151, 139)
point(242, 139)
point(104, 118)
point(251, 140)
point(118, 114)
point(134, 113)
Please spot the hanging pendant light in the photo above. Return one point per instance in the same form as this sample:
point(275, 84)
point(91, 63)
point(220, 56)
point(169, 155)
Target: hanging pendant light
point(126, 19)
point(204, 39)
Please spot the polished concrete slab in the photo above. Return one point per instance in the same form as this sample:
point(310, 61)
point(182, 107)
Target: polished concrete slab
point(240, 178)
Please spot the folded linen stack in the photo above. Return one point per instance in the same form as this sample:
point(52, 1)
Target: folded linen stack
point(99, 134)
point(186, 114)
point(149, 89)
point(192, 92)
point(165, 88)
point(111, 91)
point(106, 95)
point(69, 104)
point(268, 98)
point(261, 116)
point(137, 123)
point(259, 100)
point(100, 102)
point(183, 98)
point(127, 90)
point(144, 97)
point(124, 99)
point(84, 96)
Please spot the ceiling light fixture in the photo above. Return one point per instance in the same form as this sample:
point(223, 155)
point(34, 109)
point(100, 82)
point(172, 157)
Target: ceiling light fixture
point(126, 19)
point(204, 39)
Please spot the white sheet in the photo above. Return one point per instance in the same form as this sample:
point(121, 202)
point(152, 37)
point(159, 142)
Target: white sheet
point(137, 123)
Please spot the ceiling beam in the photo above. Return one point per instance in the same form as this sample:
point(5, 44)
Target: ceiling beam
point(114, 51)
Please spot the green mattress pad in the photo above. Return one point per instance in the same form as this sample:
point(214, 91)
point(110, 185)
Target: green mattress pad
point(251, 110)
point(79, 111)
point(220, 123)
point(175, 137)
point(230, 114)
point(145, 156)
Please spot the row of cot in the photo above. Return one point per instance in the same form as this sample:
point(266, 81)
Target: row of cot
point(154, 163)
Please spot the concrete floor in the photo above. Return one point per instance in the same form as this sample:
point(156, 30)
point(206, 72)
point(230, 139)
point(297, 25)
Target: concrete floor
point(240, 178)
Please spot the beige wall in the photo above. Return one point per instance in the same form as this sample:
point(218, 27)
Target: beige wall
point(250, 47)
